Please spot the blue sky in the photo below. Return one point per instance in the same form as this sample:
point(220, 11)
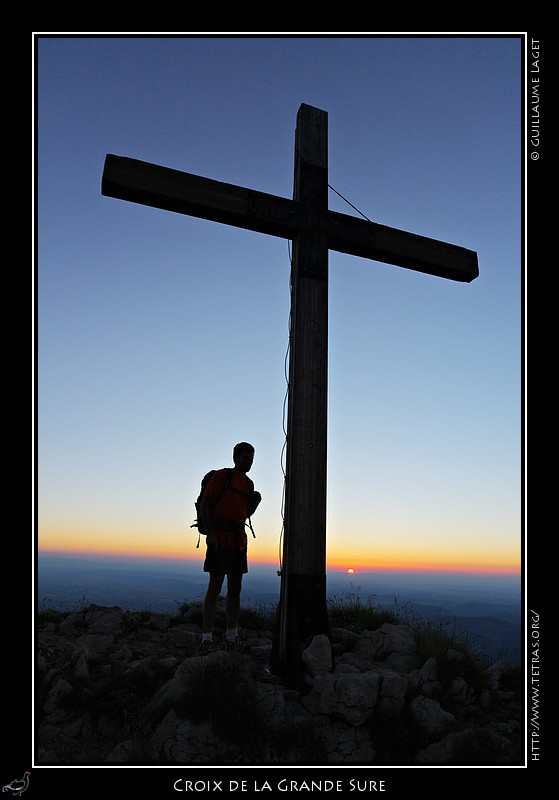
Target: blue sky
point(161, 338)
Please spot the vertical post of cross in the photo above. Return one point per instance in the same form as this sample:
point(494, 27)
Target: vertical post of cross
point(302, 609)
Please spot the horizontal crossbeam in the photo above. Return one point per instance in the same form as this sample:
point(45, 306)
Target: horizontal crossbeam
point(184, 193)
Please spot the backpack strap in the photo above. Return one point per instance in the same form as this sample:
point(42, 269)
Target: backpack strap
point(247, 494)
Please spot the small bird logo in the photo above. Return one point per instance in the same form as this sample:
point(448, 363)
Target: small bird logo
point(17, 787)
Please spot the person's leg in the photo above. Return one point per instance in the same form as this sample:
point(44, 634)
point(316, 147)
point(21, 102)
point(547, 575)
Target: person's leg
point(233, 603)
point(210, 603)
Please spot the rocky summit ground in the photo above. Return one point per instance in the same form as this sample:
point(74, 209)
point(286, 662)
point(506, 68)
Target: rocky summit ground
point(130, 687)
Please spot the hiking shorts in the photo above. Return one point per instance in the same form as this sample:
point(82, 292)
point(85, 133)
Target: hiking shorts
point(223, 561)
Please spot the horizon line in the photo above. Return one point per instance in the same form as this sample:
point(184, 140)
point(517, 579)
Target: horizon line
point(334, 565)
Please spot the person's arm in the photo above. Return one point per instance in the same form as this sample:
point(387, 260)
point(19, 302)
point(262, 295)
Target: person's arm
point(253, 503)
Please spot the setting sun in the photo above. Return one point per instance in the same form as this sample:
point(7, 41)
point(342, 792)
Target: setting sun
point(350, 570)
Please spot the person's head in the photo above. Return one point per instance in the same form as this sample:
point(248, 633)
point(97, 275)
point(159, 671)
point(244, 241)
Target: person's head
point(243, 456)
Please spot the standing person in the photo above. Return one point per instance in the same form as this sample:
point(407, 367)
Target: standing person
point(227, 502)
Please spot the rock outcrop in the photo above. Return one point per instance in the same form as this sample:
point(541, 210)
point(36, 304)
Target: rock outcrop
point(122, 687)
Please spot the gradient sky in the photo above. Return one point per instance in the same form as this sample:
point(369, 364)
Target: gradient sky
point(161, 338)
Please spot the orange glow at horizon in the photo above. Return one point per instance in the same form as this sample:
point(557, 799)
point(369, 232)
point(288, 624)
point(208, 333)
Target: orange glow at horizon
point(197, 555)
point(181, 545)
point(424, 564)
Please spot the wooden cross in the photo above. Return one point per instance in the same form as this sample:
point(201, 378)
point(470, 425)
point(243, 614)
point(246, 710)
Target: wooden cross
point(314, 230)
